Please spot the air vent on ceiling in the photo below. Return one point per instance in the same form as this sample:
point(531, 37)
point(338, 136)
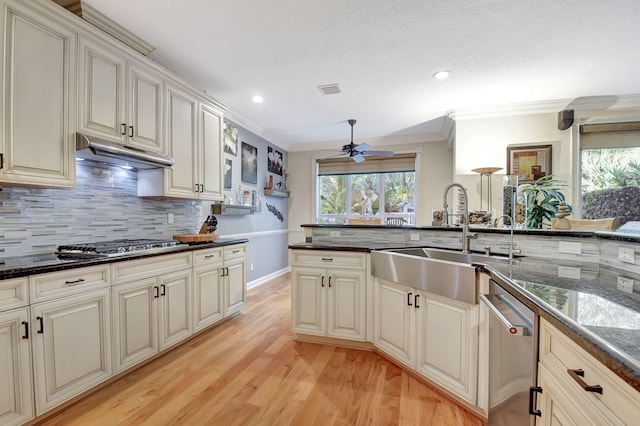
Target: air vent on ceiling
point(330, 89)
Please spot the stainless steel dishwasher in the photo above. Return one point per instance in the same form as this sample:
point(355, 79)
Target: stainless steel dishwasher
point(513, 358)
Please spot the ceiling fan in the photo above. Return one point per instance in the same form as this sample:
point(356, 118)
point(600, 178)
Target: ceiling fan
point(357, 151)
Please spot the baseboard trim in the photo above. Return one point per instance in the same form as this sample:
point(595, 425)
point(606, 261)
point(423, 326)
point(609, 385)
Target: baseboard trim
point(268, 277)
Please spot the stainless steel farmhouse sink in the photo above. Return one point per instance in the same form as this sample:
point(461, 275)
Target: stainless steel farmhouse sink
point(443, 272)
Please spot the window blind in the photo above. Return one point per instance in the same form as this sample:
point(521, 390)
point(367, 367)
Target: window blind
point(346, 166)
point(610, 135)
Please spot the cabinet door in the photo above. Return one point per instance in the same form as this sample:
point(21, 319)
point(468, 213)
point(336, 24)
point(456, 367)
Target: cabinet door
point(181, 138)
point(346, 315)
point(448, 344)
point(16, 389)
point(235, 288)
point(102, 101)
point(135, 318)
point(174, 314)
point(144, 127)
point(72, 346)
point(308, 300)
point(208, 295)
point(211, 160)
point(394, 328)
point(39, 100)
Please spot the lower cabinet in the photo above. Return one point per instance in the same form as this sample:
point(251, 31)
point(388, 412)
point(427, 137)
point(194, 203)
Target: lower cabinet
point(16, 382)
point(150, 315)
point(235, 279)
point(71, 346)
point(577, 389)
point(433, 335)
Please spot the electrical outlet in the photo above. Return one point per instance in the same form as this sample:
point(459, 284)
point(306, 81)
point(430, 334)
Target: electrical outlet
point(626, 254)
point(251, 266)
point(334, 233)
point(569, 272)
point(625, 284)
point(170, 218)
point(569, 247)
point(414, 237)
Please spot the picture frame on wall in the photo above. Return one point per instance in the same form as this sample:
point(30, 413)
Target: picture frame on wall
point(249, 169)
point(274, 161)
point(530, 162)
point(230, 139)
point(228, 173)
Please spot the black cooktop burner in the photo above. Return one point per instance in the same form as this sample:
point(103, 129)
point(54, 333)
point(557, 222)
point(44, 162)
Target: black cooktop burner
point(116, 248)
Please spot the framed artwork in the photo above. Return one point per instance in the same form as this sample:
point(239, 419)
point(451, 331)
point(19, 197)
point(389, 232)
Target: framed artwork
point(228, 173)
point(274, 161)
point(249, 163)
point(230, 139)
point(530, 163)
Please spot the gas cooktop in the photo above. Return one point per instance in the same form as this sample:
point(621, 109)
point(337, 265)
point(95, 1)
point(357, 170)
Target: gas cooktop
point(117, 248)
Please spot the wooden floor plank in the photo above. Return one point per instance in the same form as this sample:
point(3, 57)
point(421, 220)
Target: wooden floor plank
point(250, 371)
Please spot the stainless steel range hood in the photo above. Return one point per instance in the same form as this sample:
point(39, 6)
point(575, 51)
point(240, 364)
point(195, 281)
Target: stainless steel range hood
point(96, 149)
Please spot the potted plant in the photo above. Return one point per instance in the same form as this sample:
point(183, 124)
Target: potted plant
point(542, 198)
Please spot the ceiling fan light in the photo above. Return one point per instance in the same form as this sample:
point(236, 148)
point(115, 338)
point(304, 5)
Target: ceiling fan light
point(442, 75)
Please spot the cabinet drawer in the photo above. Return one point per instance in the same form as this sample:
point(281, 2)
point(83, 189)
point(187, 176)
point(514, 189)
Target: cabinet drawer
point(558, 353)
point(207, 256)
point(330, 259)
point(235, 251)
point(133, 270)
point(69, 282)
point(14, 293)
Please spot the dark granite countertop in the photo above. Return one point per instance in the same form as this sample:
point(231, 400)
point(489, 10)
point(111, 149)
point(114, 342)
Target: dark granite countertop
point(21, 266)
point(580, 299)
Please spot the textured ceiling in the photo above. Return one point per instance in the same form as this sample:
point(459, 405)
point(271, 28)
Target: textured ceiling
point(382, 54)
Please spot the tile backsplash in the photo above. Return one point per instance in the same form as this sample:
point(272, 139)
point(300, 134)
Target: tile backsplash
point(103, 206)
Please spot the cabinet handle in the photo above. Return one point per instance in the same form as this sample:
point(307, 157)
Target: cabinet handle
point(329, 280)
point(209, 256)
point(236, 251)
point(201, 185)
point(123, 129)
point(322, 281)
point(409, 299)
point(197, 188)
point(327, 259)
point(577, 375)
point(41, 324)
point(164, 290)
point(130, 131)
point(26, 330)
point(78, 281)
point(156, 292)
point(532, 400)
point(415, 301)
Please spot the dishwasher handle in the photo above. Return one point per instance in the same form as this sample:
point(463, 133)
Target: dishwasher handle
point(514, 330)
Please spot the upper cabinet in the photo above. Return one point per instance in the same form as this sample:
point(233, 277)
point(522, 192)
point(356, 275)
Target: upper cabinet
point(193, 134)
point(120, 97)
point(38, 91)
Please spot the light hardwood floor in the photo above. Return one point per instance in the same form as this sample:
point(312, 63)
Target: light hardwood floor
point(249, 371)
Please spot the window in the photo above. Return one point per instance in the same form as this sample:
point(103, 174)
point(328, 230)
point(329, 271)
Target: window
point(610, 171)
point(370, 196)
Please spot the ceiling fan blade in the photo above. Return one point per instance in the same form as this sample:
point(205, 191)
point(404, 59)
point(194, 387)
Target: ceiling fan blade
point(358, 158)
point(334, 156)
point(379, 153)
point(361, 147)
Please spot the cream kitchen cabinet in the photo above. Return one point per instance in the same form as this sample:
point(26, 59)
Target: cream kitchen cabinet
point(208, 291)
point(329, 294)
point(16, 383)
point(120, 97)
point(433, 335)
point(38, 92)
point(194, 134)
point(577, 388)
point(152, 312)
point(235, 279)
point(71, 338)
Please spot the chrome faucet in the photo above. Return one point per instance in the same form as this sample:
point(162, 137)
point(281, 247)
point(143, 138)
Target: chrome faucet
point(466, 235)
point(512, 250)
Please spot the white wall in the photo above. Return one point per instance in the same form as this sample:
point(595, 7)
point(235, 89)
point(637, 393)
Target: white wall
point(435, 170)
point(482, 142)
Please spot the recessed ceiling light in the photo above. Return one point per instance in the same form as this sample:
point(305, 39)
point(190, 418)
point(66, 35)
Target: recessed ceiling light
point(258, 99)
point(442, 75)
point(126, 167)
point(330, 89)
